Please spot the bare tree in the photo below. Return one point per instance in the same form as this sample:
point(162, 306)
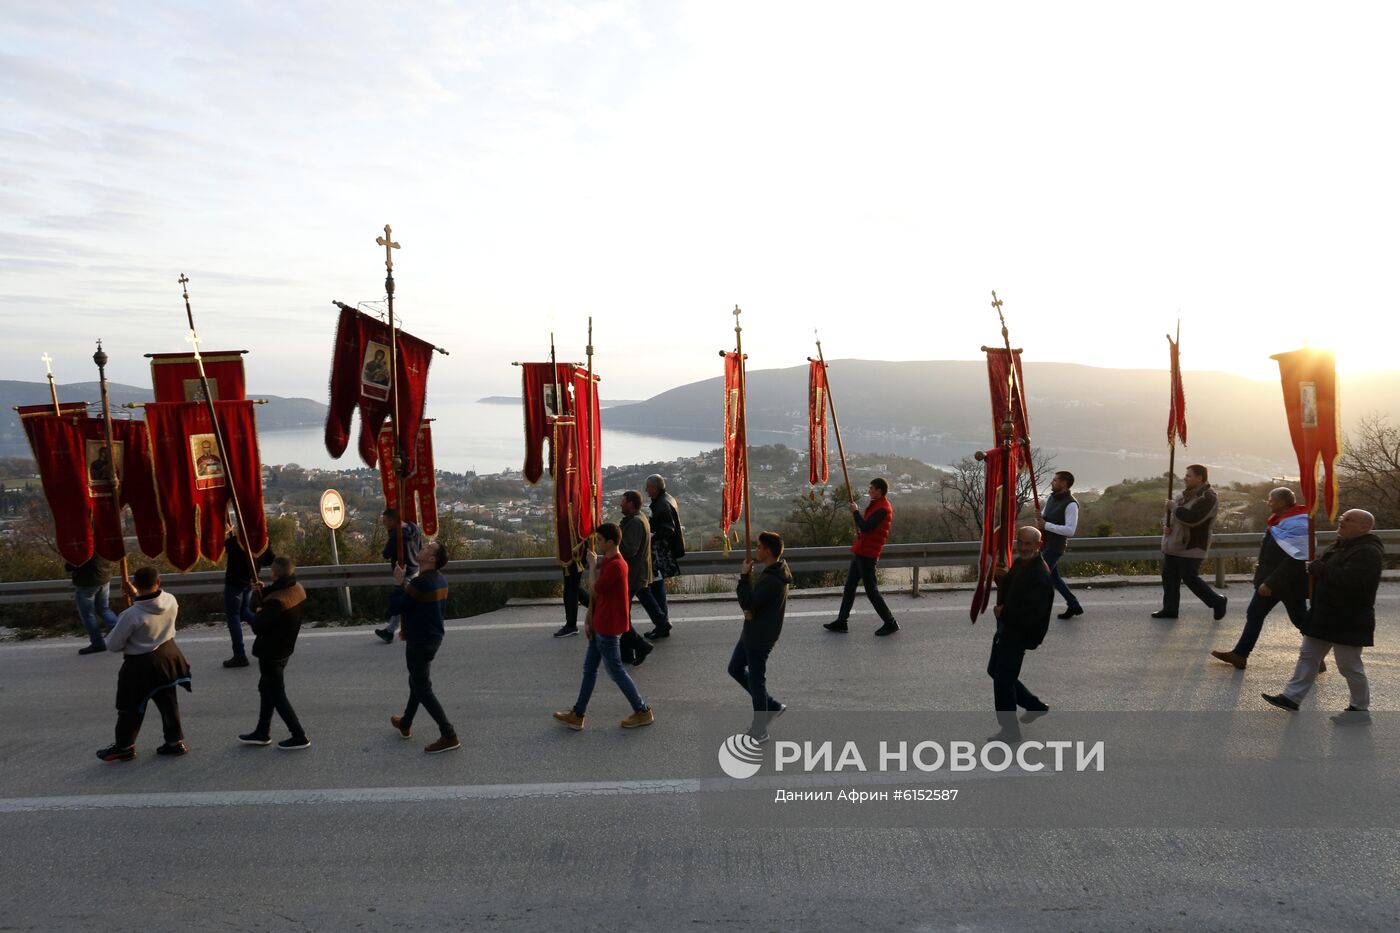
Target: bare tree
point(819, 520)
point(962, 493)
point(1369, 470)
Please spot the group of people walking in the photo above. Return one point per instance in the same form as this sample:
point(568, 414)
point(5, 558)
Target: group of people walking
point(637, 555)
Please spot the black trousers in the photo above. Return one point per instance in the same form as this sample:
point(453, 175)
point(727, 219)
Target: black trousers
point(862, 571)
point(272, 694)
point(129, 720)
point(419, 657)
point(1179, 570)
point(1004, 667)
point(575, 595)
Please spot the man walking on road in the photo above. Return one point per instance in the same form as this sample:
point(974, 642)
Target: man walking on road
point(1343, 618)
point(764, 604)
point(609, 611)
point(412, 544)
point(276, 626)
point(1059, 521)
point(1185, 543)
point(421, 604)
point(91, 583)
point(1026, 599)
point(873, 530)
point(636, 552)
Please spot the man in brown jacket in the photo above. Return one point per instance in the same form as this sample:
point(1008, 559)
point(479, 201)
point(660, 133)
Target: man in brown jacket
point(636, 550)
point(276, 626)
point(1185, 543)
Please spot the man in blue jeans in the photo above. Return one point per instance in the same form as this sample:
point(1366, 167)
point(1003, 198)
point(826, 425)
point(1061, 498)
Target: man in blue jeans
point(91, 581)
point(240, 577)
point(609, 616)
point(421, 604)
point(764, 604)
point(412, 544)
point(1059, 520)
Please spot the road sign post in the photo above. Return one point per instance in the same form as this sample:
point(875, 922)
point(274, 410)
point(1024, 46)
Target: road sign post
point(333, 514)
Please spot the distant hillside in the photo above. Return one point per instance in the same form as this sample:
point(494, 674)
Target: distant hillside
point(1104, 424)
point(515, 400)
point(278, 414)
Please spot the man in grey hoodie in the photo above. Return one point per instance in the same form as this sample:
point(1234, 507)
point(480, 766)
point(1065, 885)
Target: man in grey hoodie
point(1185, 543)
point(152, 667)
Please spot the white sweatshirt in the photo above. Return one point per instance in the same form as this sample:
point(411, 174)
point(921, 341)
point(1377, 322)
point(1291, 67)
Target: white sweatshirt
point(145, 626)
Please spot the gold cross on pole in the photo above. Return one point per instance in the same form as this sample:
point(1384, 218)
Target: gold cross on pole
point(47, 361)
point(193, 339)
point(388, 243)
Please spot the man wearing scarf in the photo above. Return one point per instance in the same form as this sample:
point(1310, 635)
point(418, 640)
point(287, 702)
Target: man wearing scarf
point(1281, 575)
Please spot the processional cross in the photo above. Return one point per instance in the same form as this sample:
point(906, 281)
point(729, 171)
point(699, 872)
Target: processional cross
point(388, 243)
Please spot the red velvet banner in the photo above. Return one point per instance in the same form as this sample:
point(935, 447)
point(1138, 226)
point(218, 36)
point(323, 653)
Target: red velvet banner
point(360, 378)
point(736, 449)
point(175, 376)
point(1310, 401)
point(418, 504)
point(818, 471)
point(589, 443)
point(76, 474)
point(1176, 413)
point(997, 377)
point(999, 508)
point(193, 480)
point(566, 467)
point(539, 386)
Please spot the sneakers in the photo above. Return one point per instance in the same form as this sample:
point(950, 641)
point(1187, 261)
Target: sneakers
point(385, 635)
point(397, 723)
point(569, 718)
point(660, 631)
point(889, 628)
point(1163, 614)
point(1281, 701)
point(758, 735)
point(641, 656)
point(642, 717)
point(173, 749)
point(1351, 716)
point(566, 631)
point(1031, 715)
point(92, 649)
point(1220, 608)
point(839, 625)
point(295, 744)
point(238, 660)
point(1239, 661)
point(113, 753)
point(255, 738)
point(1070, 612)
point(445, 744)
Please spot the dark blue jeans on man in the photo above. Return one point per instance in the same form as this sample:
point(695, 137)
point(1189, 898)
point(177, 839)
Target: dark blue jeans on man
point(604, 650)
point(749, 666)
point(862, 572)
point(92, 606)
point(238, 608)
point(419, 658)
point(1052, 560)
point(1259, 608)
point(1004, 667)
point(272, 694)
point(1179, 570)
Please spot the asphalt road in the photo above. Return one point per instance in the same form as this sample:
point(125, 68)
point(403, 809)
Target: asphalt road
point(533, 827)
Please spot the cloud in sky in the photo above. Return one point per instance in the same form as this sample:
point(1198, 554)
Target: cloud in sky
point(870, 171)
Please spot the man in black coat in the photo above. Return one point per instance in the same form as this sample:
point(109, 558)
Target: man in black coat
point(764, 604)
point(276, 626)
point(1025, 599)
point(1343, 617)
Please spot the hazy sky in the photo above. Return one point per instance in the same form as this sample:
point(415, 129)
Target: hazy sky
point(870, 169)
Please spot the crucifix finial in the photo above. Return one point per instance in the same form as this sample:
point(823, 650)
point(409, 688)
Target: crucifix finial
point(47, 361)
point(387, 241)
point(184, 281)
point(193, 339)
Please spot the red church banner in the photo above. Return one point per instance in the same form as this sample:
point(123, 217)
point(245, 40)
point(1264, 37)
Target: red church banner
point(545, 393)
point(566, 467)
point(736, 460)
point(1310, 401)
point(818, 470)
point(193, 479)
point(589, 446)
point(1176, 412)
point(414, 495)
point(999, 508)
point(76, 473)
point(360, 379)
point(175, 376)
point(998, 378)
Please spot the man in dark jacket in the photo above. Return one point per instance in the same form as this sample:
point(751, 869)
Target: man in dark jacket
point(91, 583)
point(1025, 599)
point(1186, 533)
point(1343, 617)
point(636, 550)
point(667, 547)
point(412, 544)
point(1280, 575)
point(240, 578)
point(872, 531)
point(764, 604)
point(275, 626)
point(422, 605)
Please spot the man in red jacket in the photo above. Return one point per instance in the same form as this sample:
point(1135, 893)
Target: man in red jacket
point(609, 616)
point(874, 531)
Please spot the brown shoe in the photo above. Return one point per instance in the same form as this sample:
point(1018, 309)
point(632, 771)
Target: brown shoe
point(1229, 657)
point(1322, 665)
point(445, 744)
point(642, 717)
point(397, 723)
point(569, 718)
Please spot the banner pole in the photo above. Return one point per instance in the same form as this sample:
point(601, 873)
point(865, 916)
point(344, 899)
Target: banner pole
point(744, 431)
point(835, 422)
point(100, 358)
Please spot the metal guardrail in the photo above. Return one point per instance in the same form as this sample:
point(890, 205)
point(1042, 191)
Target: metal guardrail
point(521, 569)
